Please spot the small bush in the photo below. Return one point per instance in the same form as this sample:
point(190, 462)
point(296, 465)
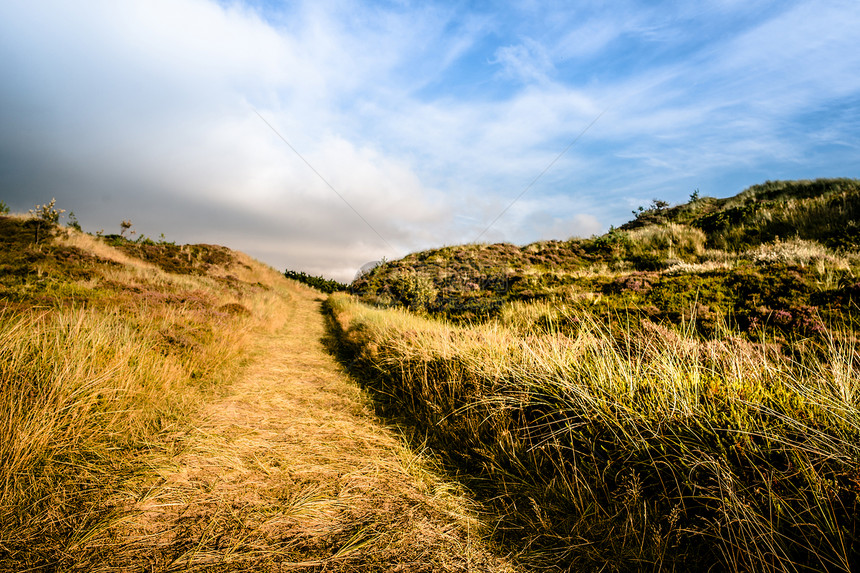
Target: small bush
point(73, 222)
point(47, 213)
point(43, 219)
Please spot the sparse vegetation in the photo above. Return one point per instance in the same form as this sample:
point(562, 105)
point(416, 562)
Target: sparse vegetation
point(124, 227)
point(73, 222)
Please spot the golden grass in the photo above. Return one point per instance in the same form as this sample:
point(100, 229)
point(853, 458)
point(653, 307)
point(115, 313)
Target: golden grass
point(188, 422)
point(96, 246)
point(673, 240)
point(294, 471)
point(88, 396)
point(797, 252)
point(655, 450)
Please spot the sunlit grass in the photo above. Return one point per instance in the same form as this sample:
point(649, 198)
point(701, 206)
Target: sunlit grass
point(94, 383)
point(84, 396)
point(651, 449)
point(189, 420)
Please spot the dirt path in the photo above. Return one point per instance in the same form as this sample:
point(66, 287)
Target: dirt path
point(290, 471)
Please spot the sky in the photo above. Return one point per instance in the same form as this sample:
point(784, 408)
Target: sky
point(321, 135)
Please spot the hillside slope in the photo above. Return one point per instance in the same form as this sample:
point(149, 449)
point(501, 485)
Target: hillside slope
point(679, 394)
point(782, 254)
point(173, 408)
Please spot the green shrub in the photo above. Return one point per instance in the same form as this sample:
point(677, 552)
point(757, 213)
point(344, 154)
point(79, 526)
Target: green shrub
point(319, 283)
point(73, 222)
point(43, 218)
point(47, 213)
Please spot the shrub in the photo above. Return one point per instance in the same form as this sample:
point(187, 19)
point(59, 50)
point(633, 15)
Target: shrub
point(319, 283)
point(73, 222)
point(47, 213)
point(44, 216)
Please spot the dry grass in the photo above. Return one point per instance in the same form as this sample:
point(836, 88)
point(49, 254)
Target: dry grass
point(195, 422)
point(97, 247)
point(291, 470)
point(90, 395)
point(797, 252)
point(671, 240)
point(656, 450)
point(682, 268)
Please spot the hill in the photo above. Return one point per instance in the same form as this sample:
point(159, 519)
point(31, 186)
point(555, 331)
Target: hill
point(676, 394)
point(173, 407)
point(679, 394)
point(780, 253)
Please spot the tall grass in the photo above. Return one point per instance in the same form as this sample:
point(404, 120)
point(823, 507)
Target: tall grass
point(822, 210)
point(645, 451)
point(671, 241)
point(86, 397)
point(93, 387)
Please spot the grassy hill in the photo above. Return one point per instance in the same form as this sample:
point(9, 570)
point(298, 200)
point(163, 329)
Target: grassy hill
point(782, 254)
point(680, 393)
point(824, 210)
point(174, 408)
point(104, 356)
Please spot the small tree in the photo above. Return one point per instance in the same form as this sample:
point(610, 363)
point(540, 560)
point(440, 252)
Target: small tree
point(46, 215)
point(124, 227)
point(4, 208)
point(73, 222)
point(653, 213)
point(659, 205)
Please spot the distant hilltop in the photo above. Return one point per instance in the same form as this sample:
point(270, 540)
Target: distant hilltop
point(787, 247)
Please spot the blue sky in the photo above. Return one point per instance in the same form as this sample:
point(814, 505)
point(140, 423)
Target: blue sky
point(428, 118)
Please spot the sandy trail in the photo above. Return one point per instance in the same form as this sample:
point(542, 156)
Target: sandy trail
point(291, 471)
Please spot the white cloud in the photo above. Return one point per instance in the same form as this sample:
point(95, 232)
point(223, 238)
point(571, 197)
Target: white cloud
point(549, 226)
point(153, 98)
point(526, 62)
